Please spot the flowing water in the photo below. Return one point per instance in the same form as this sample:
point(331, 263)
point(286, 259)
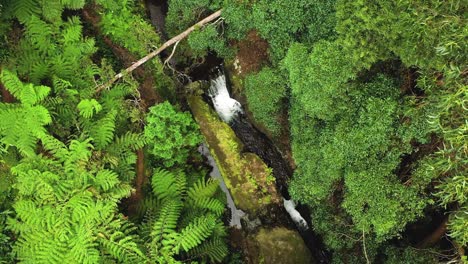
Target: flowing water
point(236, 214)
point(230, 111)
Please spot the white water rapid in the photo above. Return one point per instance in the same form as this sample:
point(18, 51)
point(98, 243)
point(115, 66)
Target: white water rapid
point(226, 107)
point(297, 218)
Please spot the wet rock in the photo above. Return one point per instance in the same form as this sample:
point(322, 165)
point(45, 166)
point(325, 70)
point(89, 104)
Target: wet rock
point(248, 178)
point(278, 245)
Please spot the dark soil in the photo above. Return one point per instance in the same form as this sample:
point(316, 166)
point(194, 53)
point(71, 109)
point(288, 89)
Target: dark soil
point(253, 53)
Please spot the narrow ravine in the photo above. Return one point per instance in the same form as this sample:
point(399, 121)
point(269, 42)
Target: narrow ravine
point(230, 111)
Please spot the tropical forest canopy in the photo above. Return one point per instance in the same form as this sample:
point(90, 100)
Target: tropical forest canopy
point(367, 98)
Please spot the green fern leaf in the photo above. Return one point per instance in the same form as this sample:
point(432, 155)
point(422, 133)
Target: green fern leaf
point(73, 4)
point(203, 189)
point(122, 247)
point(102, 131)
point(215, 250)
point(88, 107)
point(106, 179)
point(195, 233)
point(163, 230)
point(23, 9)
point(165, 184)
point(52, 10)
point(210, 204)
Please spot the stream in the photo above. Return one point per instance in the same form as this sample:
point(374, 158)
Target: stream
point(254, 141)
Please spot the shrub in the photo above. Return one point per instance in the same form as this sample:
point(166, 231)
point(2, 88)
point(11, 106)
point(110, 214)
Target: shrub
point(265, 93)
point(171, 134)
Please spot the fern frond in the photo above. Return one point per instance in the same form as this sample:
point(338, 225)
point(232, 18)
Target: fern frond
point(54, 146)
point(22, 126)
point(203, 189)
point(215, 250)
point(122, 247)
point(71, 33)
point(39, 33)
point(23, 9)
point(83, 246)
point(133, 141)
point(52, 10)
point(210, 204)
point(30, 94)
point(102, 131)
point(163, 230)
point(88, 107)
point(73, 4)
point(195, 233)
point(12, 83)
point(60, 84)
point(106, 179)
point(165, 184)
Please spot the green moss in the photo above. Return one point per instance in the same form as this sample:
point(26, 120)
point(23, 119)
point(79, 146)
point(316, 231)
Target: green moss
point(278, 245)
point(246, 175)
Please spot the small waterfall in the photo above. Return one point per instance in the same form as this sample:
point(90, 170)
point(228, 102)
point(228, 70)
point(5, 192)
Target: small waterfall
point(228, 110)
point(297, 218)
point(236, 214)
point(226, 107)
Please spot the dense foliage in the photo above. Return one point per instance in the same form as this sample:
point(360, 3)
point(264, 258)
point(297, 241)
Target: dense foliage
point(377, 116)
point(265, 92)
point(375, 94)
point(67, 153)
point(171, 135)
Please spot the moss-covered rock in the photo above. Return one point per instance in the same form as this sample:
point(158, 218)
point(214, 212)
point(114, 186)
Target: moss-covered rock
point(278, 245)
point(247, 177)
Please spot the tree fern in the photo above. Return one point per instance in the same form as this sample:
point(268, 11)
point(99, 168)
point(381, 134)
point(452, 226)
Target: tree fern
point(67, 213)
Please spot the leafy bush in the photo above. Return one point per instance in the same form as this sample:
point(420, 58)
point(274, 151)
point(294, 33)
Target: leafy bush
point(357, 150)
point(171, 134)
point(207, 39)
point(265, 92)
point(317, 79)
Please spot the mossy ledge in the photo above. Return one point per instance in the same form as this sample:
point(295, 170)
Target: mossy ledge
point(247, 177)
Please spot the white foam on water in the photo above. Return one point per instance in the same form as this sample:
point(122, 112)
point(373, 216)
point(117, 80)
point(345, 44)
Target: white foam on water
point(290, 207)
point(226, 107)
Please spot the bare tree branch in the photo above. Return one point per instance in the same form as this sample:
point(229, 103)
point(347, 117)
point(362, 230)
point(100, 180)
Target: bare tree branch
point(167, 44)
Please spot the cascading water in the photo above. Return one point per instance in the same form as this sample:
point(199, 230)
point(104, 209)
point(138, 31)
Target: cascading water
point(226, 107)
point(297, 218)
point(236, 214)
point(229, 110)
